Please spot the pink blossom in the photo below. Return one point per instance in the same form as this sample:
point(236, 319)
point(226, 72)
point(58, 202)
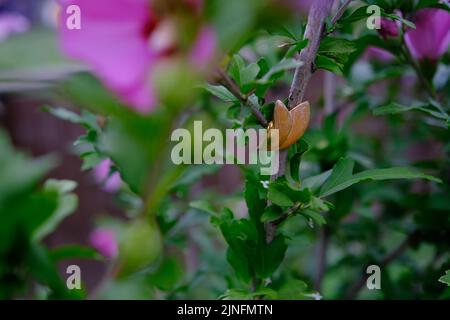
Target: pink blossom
point(122, 41)
point(389, 28)
point(204, 48)
point(104, 241)
point(379, 54)
point(431, 37)
point(102, 173)
point(11, 23)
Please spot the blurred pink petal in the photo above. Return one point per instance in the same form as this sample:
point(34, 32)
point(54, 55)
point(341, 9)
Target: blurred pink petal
point(109, 182)
point(113, 41)
point(11, 23)
point(197, 5)
point(104, 241)
point(389, 28)
point(375, 53)
point(431, 37)
point(203, 50)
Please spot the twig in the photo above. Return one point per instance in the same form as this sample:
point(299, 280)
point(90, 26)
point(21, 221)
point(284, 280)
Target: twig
point(318, 13)
point(352, 293)
point(340, 12)
point(321, 257)
point(228, 83)
point(320, 9)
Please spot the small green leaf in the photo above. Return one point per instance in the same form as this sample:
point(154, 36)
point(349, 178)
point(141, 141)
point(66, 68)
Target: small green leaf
point(315, 216)
point(445, 278)
point(402, 20)
point(67, 203)
point(204, 206)
point(278, 197)
point(357, 15)
point(222, 93)
point(271, 213)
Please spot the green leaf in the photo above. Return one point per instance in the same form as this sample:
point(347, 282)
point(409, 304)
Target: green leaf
point(402, 20)
point(66, 204)
point(252, 194)
point(396, 108)
point(237, 66)
point(293, 290)
point(295, 155)
point(32, 60)
point(222, 93)
point(326, 63)
point(41, 266)
point(445, 278)
point(342, 176)
point(315, 182)
point(283, 65)
point(283, 194)
point(168, 274)
point(271, 213)
point(278, 196)
point(19, 174)
point(136, 144)
point(357, 15)
point(91, 160)
point(249, 73)
point(204, 206)
point(86, 119)
point(86, 91)
point(73, 252)
point(315, 216)
point(337, 51)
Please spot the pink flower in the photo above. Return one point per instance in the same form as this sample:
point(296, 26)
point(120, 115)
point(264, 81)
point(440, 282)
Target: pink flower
point(11, 23)
point(389, 28)
point(122, 41)
point(102, 173)
point(431, 37)
point(104, 241)
point(378, 54)
point(204, 48)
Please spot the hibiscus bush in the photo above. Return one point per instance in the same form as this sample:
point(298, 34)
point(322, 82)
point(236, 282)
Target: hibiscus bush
point(355, 91)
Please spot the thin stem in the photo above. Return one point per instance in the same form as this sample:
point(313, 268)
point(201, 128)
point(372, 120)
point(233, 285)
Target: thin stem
point(340, 12)
point(321, 257)
point(228, 83)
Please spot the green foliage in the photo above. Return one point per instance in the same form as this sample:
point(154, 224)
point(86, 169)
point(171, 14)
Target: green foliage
point(342, 176)
point(309, 220)
point(27, 214)
point(334, 54)
point(445, 278)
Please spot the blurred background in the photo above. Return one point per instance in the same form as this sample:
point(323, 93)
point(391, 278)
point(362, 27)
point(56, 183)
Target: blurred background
point(366, 224)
